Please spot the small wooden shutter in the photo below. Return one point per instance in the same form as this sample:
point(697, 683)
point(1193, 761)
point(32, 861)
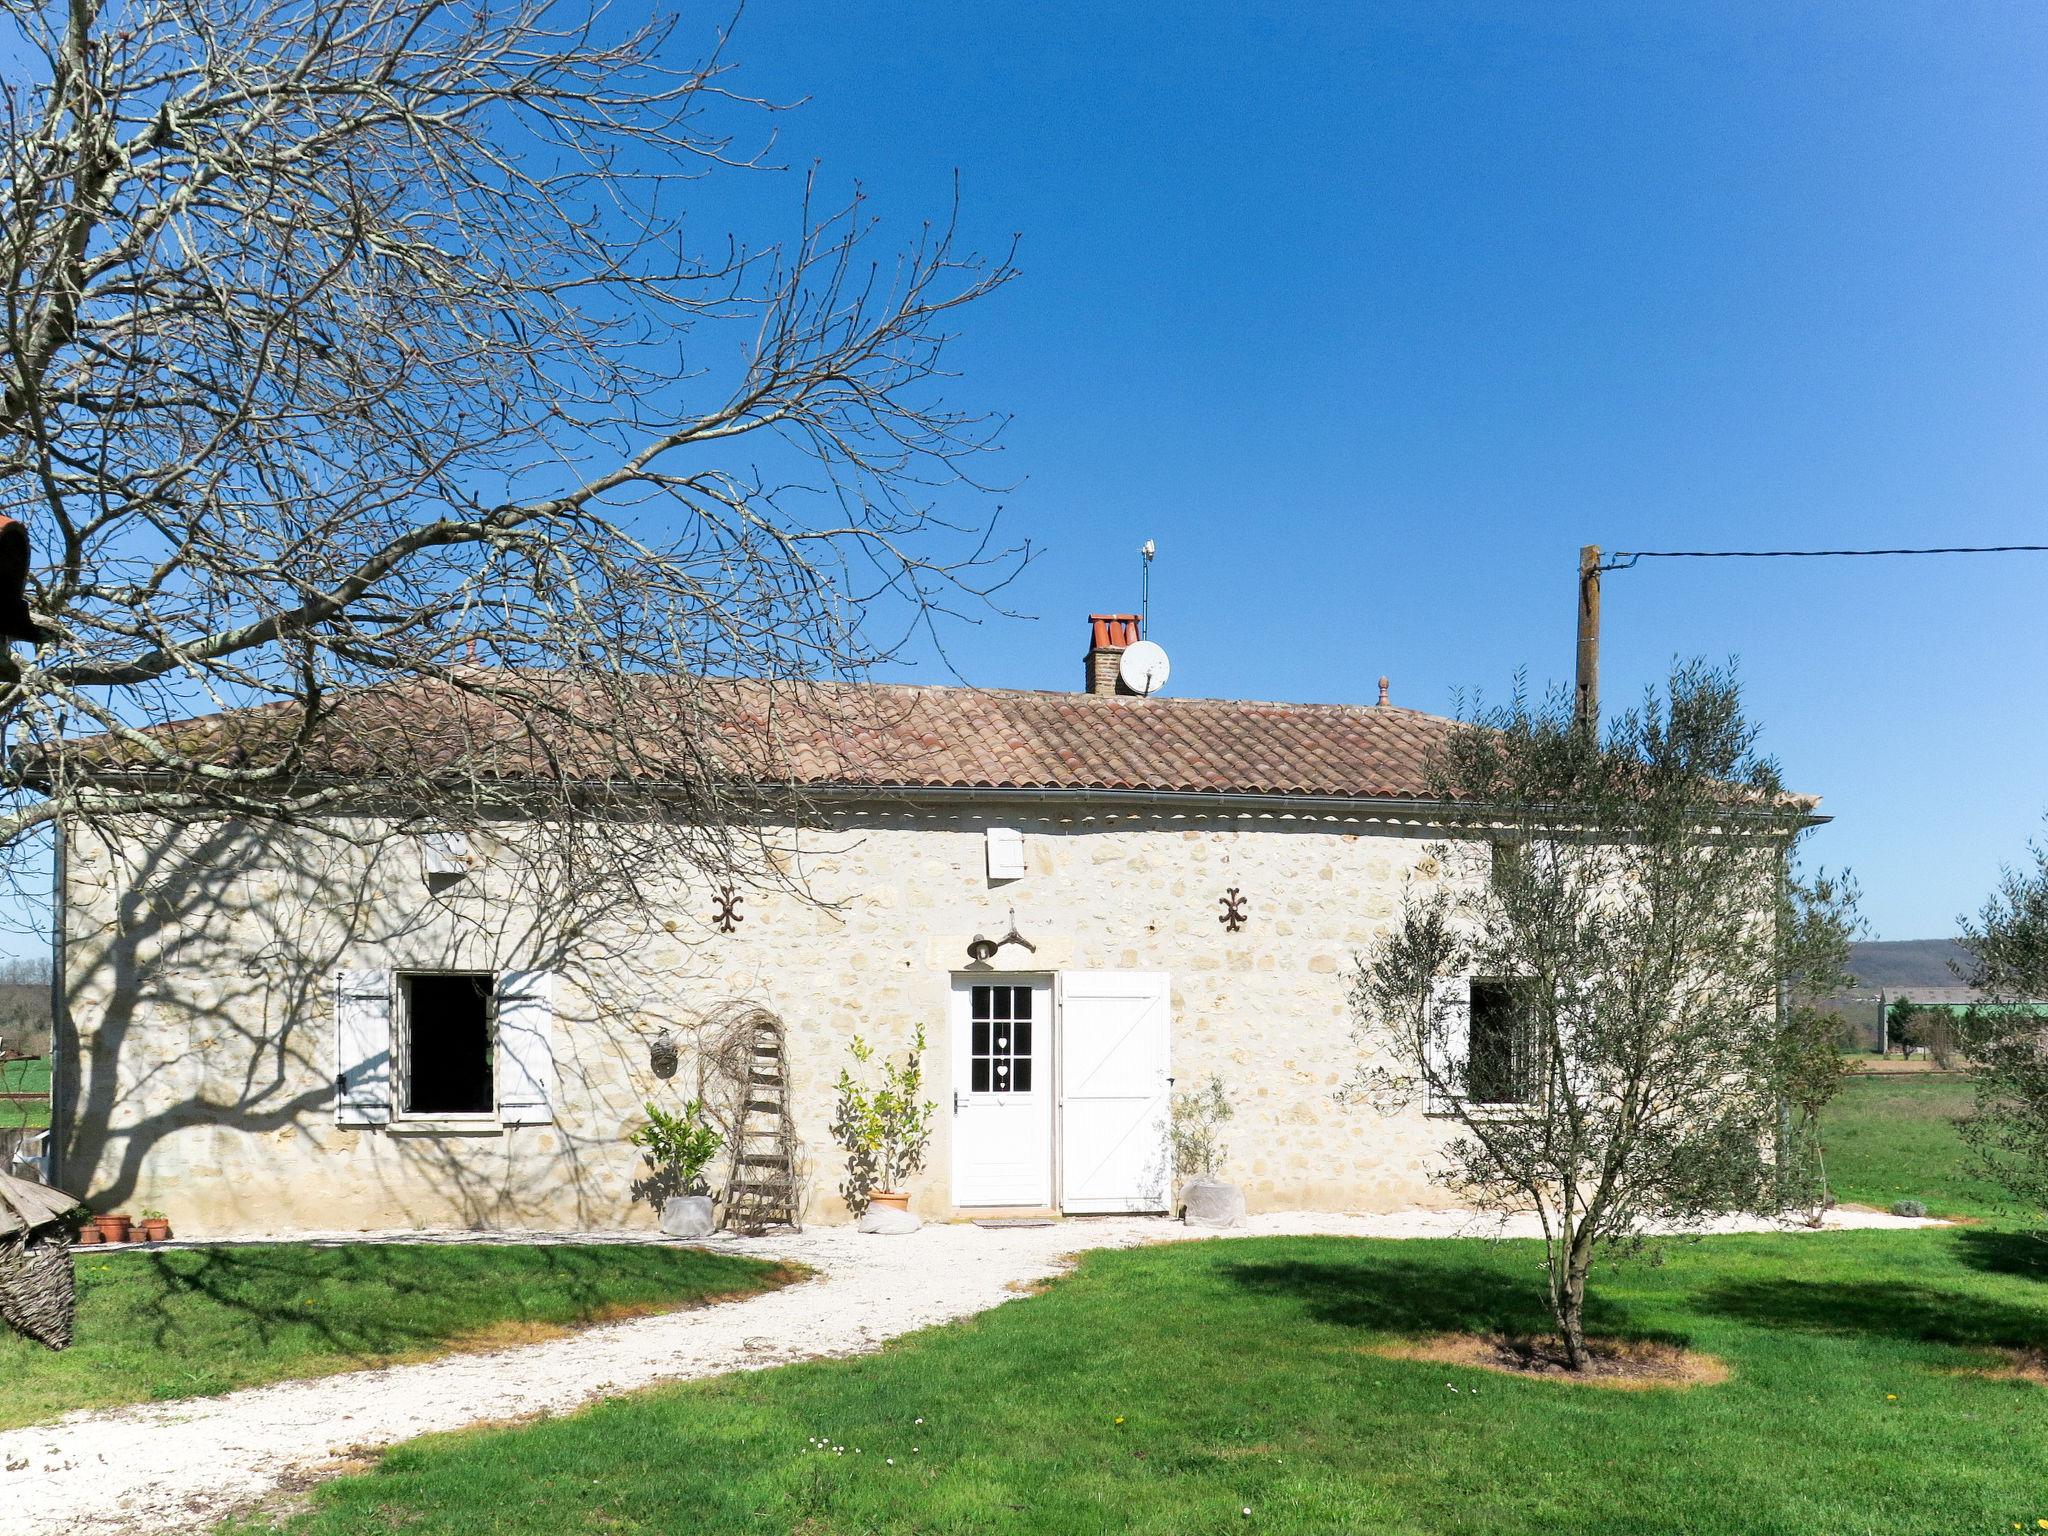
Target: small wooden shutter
point(362, 1048)
point(526, 1047)
point(1447, 1036)
point(1005, 853)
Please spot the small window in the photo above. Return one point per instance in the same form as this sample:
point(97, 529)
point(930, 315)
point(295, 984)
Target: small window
point(999, 1040)
point(1506, 864)
point(1500, 1056)
point(446, 1060)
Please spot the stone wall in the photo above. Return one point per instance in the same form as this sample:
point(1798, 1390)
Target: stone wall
point(199, 978)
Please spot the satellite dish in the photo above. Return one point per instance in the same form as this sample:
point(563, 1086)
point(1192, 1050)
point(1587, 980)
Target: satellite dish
point(1143, 668)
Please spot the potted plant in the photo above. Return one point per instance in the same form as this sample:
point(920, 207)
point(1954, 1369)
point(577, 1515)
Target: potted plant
point(885, 1129)
point(679, 1147)
point(1206, 1200)
point(114, 1227)
point(156, 1227)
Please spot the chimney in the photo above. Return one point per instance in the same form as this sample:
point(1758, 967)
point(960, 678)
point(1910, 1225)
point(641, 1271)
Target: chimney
point(1108, 634)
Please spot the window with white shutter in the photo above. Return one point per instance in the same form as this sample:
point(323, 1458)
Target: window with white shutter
point(362, 1047)
point(526, 1047)
point(1445, 1037)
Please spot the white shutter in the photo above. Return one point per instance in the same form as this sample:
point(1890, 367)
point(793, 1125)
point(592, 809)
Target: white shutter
point(1447, 1037)
point(526, 1047)
point(1005, 853)
point(1114, 1050)
point(362, 1048)
point(445, 853)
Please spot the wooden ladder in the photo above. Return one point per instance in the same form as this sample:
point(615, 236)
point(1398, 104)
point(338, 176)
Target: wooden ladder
point(761, 1190)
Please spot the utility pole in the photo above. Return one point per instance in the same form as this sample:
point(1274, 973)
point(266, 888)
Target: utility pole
point(1587, 698)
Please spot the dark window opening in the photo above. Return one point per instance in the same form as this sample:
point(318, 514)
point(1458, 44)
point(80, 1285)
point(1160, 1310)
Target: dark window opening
point(448, 1058)
point(1500, 1056)
point(1506, 866)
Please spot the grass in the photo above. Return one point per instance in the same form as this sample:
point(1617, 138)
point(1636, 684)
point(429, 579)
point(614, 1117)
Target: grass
point(1171, 1389)
point(26, 1075)
point(1894, 1138)
point(190, 1322)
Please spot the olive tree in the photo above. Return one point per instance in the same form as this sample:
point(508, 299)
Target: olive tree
point(1588, 987)
point(2006, 1036)
point(350, 345)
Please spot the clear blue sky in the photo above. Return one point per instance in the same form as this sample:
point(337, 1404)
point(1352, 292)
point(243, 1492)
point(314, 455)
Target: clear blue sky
point(1372, 314)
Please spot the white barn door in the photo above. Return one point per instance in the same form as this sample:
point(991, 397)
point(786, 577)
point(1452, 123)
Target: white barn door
point(1002, 1092)
point(1115, 1044)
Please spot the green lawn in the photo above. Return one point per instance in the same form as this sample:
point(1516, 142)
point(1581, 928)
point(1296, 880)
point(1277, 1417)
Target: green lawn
point(25, 1076)
point(1239, 1372)
point(1894, 1138)
point(189, 1322)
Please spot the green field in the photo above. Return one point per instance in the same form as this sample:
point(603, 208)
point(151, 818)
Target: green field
point(1171, 1389)
point(1894, 1138)
point(27, 1076)
point(190, 1322)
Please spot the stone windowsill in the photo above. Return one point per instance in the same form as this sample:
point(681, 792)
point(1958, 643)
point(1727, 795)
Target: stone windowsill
point(462, 1125)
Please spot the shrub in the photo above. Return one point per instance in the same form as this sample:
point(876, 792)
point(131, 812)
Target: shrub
point(1197, 1116)
point(884, 1128)
point(680, 1147)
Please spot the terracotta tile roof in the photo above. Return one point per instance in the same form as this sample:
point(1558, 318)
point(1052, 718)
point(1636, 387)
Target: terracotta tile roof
point(1003, 739)
point(847, 735)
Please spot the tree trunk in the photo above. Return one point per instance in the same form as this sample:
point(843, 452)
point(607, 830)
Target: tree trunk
point(1571, 1315)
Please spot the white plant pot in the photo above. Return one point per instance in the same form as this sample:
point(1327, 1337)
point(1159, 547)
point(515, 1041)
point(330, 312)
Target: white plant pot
point(688, 1216)
point(1207, 1202)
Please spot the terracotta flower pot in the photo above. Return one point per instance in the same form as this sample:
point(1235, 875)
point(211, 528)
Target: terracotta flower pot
point(157, 1229)
point(89, 1234)
point(114, 1228)
point(890, 1199)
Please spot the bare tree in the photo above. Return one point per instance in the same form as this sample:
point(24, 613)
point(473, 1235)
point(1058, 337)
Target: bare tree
point(375, 361)
point(1589, 988)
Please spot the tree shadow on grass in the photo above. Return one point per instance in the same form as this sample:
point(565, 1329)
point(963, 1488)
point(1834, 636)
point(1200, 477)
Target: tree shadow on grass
point(405, 1297)
point(1394, 1295)
point(2024, 1254)
point(1874, 1309)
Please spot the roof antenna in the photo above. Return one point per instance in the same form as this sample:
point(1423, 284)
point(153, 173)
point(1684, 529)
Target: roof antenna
point(1145, 551)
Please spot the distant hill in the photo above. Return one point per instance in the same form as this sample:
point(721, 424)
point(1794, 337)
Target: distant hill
point(1898, 964)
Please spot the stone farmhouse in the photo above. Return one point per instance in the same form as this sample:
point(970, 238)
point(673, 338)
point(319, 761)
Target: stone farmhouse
point(1082, 899)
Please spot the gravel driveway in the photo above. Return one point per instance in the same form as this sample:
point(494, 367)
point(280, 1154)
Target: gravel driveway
point(182, 1466)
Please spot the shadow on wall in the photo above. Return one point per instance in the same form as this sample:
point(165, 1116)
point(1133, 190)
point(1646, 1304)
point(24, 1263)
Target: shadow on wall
point(196, 1036)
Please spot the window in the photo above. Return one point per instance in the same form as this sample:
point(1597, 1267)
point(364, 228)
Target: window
point(1501, 1051)
point(446, 1058)
point(1506, 865)
point(999, 1044)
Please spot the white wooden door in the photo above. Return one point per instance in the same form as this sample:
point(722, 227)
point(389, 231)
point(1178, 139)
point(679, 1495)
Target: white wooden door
point(1115, 1029)
point(1002, 1092)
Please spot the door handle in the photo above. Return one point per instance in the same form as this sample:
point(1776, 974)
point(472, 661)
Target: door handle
point(956, 1101)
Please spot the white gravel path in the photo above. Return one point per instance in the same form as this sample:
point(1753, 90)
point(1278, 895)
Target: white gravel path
point(182, 1466)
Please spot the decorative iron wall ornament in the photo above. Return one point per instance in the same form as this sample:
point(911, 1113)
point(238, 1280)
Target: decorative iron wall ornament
point(1233, 915)
point(725, 909)
point(663, 1055)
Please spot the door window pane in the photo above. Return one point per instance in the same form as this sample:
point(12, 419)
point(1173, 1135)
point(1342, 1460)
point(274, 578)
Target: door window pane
point(1000, 1039)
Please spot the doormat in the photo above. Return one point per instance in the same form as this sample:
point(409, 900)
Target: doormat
point(1015, 1221)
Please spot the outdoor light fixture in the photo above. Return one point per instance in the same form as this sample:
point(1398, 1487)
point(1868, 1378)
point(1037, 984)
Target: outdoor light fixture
point(663, 1056)
point(982, 950)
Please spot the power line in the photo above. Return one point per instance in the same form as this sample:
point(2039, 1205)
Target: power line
point(1622, 559)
